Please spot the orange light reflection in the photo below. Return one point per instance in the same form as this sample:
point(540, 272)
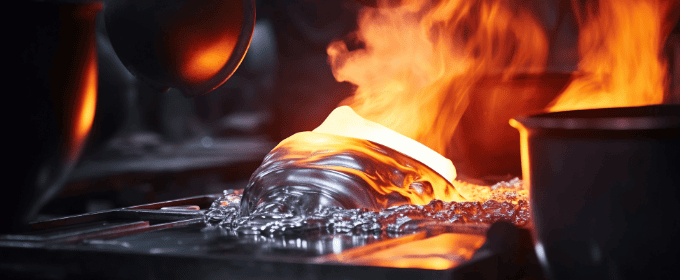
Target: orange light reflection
point(208, 58)
point(440, 252)
point(85, 107)
point(88, 103)
point(200, 41)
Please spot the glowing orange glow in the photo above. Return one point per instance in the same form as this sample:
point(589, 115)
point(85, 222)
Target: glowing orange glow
point(524, 151)
point(200, 43)
point(84, 104)
point(620, 44)
point(353, 129)
point(310, 148)
point(204, 62)
point(88, 103)
point(422, 58)
point(344, 121)
point(440, 252)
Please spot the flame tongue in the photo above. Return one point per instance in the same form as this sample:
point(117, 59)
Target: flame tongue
point(343, 121)
point(421, 59)
point(620, 44)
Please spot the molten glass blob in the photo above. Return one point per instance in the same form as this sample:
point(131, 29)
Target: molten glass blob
point(351, 174)
point(343, 121)
point(317, 181)
point(311, 170)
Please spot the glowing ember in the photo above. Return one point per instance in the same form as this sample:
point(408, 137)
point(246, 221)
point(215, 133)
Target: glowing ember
point(620, 44)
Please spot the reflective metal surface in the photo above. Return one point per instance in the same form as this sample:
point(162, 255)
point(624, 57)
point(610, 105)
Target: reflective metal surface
point(310, 170)
point(322, 182)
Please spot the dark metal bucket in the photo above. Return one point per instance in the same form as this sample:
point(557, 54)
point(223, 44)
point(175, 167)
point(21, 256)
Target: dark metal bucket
point(604, 191)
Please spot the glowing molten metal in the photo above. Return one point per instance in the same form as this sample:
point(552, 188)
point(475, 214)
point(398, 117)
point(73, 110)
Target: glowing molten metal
point(344, 121)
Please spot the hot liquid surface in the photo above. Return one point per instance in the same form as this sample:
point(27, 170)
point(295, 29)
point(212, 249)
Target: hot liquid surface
point(321, 182)
point(311, 170)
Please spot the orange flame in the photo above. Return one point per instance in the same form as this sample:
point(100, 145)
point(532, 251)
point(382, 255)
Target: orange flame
point(620, 45)
point(422, 58)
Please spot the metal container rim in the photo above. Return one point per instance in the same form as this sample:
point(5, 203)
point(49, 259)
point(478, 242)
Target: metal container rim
point(652, 117)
